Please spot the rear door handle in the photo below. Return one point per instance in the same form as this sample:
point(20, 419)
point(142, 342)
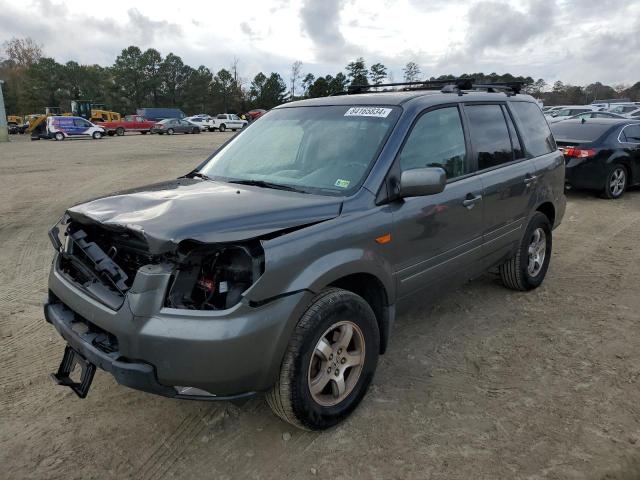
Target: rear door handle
point(470, 201)
point(529, 179)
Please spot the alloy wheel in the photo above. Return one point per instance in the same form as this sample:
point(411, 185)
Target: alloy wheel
point(537, 251)
point(617, 181)
point(336, 363)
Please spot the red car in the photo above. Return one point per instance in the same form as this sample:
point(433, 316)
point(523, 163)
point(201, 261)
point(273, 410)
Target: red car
point(130, 123)
point(255, 114)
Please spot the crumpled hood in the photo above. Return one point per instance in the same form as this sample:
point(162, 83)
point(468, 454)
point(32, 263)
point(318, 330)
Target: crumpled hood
point(204, 211)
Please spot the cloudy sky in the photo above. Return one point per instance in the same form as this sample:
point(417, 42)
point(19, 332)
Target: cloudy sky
point(578, 41)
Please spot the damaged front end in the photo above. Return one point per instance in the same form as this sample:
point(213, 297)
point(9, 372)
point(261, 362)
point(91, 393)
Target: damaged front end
point(103, 261)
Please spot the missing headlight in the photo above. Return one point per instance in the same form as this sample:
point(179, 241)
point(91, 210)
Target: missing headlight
point(215, 280)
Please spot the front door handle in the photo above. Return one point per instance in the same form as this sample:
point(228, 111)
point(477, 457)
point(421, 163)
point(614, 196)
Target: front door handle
point(529, 179)
point(470, 201)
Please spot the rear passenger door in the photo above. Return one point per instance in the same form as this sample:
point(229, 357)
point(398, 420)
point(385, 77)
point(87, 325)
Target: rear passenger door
point(438, 237)
point(507, 177)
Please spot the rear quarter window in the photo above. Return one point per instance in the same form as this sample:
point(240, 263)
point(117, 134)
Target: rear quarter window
point(534, 129)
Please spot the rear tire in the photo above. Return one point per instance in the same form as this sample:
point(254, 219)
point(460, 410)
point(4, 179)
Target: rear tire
point(334, 350)
point(120, 131)
point(617, 180)
point(171, 131)
point(528, 267)
point(222, 127)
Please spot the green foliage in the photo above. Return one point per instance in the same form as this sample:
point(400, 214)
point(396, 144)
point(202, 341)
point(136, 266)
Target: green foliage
point(357, 72)
point(377, 73)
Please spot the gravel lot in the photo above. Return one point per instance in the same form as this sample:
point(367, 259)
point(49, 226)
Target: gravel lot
point(487, 383)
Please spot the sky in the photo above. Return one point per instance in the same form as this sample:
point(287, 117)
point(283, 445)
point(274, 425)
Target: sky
point(576, 41)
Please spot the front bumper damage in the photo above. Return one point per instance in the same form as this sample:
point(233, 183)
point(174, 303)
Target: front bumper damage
point(226, 354)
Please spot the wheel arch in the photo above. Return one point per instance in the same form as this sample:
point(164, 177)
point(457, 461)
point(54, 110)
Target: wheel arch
point(548, 209)
point(372, 290)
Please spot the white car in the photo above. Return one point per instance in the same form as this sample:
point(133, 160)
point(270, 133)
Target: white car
point(635, 114)
point(624, 108)
point(61, 127)
point(568, 111)
point(229, 121)
point(205, 122)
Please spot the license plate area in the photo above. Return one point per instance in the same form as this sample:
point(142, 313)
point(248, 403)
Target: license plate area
point(70, 361)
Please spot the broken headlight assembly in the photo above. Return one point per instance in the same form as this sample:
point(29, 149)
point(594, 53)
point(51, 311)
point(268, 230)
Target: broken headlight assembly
point(215, 278)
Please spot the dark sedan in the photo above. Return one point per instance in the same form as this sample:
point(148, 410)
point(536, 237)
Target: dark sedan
point(174, 125)
point(600, 154)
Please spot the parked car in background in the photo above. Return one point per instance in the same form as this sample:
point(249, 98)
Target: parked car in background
point(157, 114)
point(61, 127)
point(600, 154)
point(130, 123)
point(594, 115)
point(230, 121)
point(205, 122)
point(174, 125)
point(256, 113)
point(634, 114)
point(567, 111)
point(623, 109)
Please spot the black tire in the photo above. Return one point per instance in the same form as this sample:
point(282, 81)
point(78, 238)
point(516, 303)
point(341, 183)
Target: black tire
point(196, 130)
point(211, 129)
point(96, 135)
point(610, 192)
point(120, 131)
point(144, 132)
point(222, 127)
point(111, 133)
point(290, 398)
point(171, 131)
point(515, 272)
point(59, 136)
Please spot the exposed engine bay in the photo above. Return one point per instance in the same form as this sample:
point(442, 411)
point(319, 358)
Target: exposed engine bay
point(205, 277)
point(207, 280)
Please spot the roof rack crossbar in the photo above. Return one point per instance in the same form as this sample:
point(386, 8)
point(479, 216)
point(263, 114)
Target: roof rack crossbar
point(455, 85)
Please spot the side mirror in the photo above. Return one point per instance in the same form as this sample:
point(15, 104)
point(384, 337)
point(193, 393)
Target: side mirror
point(419, 182)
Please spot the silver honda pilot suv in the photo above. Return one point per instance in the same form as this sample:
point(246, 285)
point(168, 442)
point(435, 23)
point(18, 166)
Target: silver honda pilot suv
point(277, 264)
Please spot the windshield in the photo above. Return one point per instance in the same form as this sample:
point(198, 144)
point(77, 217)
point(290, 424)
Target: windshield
point(313, 149)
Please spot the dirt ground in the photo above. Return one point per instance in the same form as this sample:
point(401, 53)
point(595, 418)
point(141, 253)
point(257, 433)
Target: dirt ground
point(485, 384)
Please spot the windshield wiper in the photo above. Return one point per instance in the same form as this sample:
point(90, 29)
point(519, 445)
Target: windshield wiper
point(263, 184)
point(199, 175)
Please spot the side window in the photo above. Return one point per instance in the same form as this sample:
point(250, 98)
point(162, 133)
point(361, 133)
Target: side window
point(515, 141)
point(81, 122)
point(222, 116)
point(632, 134)
point(535, 131)
point(489, 135)
point(437, 140)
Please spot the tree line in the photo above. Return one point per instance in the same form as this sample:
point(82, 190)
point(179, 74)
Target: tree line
point(140, 78)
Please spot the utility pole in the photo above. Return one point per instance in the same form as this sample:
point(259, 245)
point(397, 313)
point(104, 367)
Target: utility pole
point(4, 132)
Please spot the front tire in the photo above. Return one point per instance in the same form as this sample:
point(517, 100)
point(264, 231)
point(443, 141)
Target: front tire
point(120, 131)
point(59, 136)
point(222, 127)
point(329, 363)
point(528, 267)
point(171, 131)
point(616, 183)
point(96, 135)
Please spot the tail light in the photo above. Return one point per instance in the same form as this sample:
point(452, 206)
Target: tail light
point(579, 152)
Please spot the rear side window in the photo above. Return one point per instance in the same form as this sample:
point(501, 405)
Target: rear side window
point(489, 135)
point(437, 140)
point(631, 134)
point(537, 137)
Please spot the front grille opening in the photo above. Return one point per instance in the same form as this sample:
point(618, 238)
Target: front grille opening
point(100, 338)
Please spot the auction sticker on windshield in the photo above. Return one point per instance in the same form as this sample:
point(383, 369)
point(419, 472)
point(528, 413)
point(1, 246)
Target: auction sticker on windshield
point(368, 112)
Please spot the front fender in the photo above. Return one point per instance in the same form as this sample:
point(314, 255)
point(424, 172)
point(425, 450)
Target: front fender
point(318, 255)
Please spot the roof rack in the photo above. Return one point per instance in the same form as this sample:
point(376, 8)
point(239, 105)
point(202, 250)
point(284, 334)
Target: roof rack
point(457, 85)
